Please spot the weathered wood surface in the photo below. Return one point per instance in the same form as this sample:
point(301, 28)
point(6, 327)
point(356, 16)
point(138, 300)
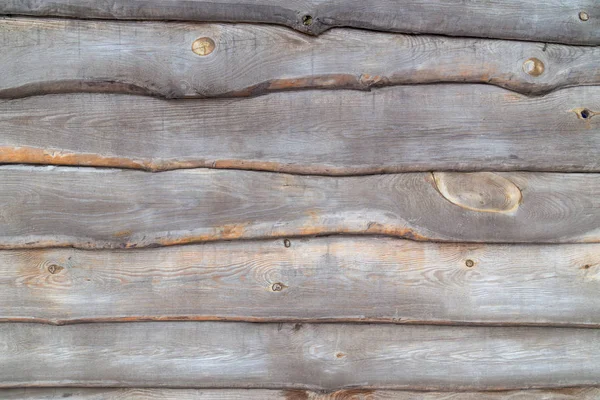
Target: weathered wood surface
point(56, 56)
point(556, 21)
point(405, 128)
point(107, 208)
point(363, 279)
point(264, 394)
point(321, 356)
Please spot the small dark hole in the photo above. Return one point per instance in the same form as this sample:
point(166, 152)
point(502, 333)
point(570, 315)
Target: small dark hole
point(587, 266)
point(307, 20)
point(469, 263)
point(585, 114)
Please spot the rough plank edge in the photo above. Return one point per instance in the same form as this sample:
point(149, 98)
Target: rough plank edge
point(582, 393)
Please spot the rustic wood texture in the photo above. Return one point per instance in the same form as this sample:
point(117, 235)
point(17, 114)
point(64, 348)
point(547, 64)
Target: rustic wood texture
point(57, 56)
point(324, 279)
point(107, 208)
point(322, 356)
point(262, 394)
point(405, 128)
point(555, 21)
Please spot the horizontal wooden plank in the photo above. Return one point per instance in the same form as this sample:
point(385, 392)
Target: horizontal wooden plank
point(107, 208)
point(575, 21)
point(363, 279)
point(264, 394)
point(42, 56)
point(297, 356)
point(399, 129)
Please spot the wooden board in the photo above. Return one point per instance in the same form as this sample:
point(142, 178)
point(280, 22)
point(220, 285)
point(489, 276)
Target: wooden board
point(296, 356)
point(556, 21)
point(359, 279)
point(56, 56)
point(262, 394)
point(405, 128)
point(107, 208)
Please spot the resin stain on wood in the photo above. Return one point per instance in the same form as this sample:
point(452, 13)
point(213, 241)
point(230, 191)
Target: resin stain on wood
point(363, 279)
point(399, 129)
point(212, 60)
point(91, 208)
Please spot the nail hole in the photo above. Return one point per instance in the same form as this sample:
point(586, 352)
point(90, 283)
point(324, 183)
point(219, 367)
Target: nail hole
point(585, 113)
point(307, 20)
point(584, 16)
point(277, 287)
point(287, 243)
point(587, 266)
point(469, 263)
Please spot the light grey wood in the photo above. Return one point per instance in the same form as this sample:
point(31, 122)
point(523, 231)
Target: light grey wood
point(362, 280)
point(555, 21)
point(404, 128)
point(297, 356)
point(107, 208)
point(263, 394)
point(42, 56)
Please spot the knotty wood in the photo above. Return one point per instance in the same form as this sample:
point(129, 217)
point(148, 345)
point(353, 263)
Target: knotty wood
point(405, 128)
point(555, 21)
point(92, 208)
point(296, 356)
point(361, 279)
point(262, 394)
point(56, 56)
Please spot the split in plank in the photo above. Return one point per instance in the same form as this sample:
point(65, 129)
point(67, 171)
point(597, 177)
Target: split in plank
point(264, 394)
point(58, 56)
point(108, 208)
point(297, 356)
point(574, 22)
point(399, 129)
point(307, 280)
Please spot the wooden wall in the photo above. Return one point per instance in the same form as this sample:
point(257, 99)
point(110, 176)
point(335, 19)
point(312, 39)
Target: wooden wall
point(300, 200)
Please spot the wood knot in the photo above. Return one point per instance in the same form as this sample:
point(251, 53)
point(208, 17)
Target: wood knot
point(287, 243)
point(478, 191)
point(533, 67)
point(203, 46)
point(55, 269)
point(278, 287)
point(584, 16)
point(307, 20)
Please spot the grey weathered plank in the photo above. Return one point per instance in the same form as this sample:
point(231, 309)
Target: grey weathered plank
point(265, 394)
point(363, 279)
point(96, 208)
point(404, 128)
point(43, 56)
point(321, 356)
point(555, 21)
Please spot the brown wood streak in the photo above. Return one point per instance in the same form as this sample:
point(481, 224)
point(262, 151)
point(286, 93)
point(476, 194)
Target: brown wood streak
point(297, 356)
point(366, 280)
point(399, 129)
point(557, 21)
point(591, 393)
point(64, 56)
point(104, 208)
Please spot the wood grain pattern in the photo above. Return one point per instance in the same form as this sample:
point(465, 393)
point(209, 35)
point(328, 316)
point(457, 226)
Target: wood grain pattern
point(262, 394)
point(296, 356)
point(326, 279)
point(95, 208)
point(399, 129)
point(56, 56)
point(556, 21)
